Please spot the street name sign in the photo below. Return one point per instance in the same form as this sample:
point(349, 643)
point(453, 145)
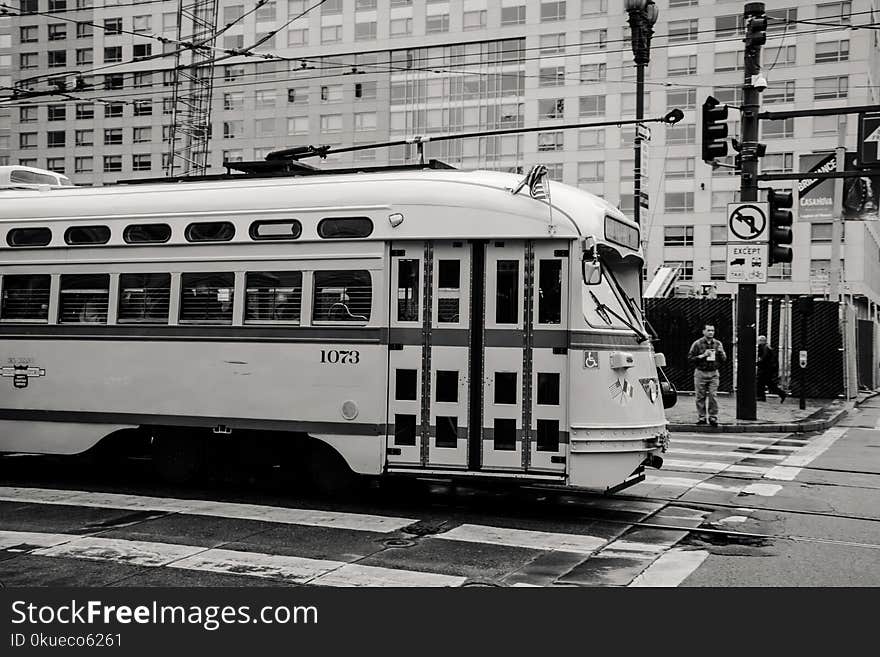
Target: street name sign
point(747, 222)
point(746, 263)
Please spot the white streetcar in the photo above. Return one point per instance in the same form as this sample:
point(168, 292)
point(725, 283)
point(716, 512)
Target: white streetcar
point(410, 320)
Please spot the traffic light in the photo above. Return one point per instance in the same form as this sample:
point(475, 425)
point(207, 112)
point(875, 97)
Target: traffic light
point(756, 31)
point(780, 226)
point(714, 129)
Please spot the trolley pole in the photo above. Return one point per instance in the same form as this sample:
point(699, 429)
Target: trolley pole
point(746, 405)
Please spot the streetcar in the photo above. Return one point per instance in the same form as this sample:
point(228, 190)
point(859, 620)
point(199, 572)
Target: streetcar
point(395, 321)
point(21, 177)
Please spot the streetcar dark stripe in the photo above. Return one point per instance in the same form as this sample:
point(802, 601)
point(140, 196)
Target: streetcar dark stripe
point(489, 436)
point(91, 417)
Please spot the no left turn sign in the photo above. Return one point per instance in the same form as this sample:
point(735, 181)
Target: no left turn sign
point(747, 222)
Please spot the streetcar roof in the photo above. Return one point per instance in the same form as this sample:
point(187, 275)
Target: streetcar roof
point(434, 204)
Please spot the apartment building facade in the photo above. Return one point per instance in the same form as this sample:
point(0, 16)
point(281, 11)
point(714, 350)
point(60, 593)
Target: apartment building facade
point(352, 72)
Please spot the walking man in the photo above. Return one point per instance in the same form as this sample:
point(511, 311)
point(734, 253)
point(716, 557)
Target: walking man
point(768, 371)
point(706, 354)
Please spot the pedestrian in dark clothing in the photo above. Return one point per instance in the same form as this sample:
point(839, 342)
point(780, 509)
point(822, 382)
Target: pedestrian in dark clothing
point(768, 371)
point(706, 354)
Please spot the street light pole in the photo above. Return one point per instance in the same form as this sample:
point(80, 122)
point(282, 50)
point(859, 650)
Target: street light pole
point(642, 16)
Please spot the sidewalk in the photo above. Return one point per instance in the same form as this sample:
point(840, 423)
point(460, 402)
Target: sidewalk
point(788, 417)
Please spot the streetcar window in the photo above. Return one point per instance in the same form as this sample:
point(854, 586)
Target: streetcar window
point(345, 227)
point(276, 229)
point(84, 298)
point(548, 436)
point(144, 298)
point(274, 296)
point(408, 290)
point(210, 231)
point(446, 432)
point(507, 292)
point(447, 386)
point(549, 291)
point(343, 296)
point(146, 233)
point(505, 387)
point(405, 385)
point(29, 237)
point(87, 235)
point(505, 434)
point(548, 388)
point(25, 297)
point(206, 298)
point(404, 429)
point(449, 285)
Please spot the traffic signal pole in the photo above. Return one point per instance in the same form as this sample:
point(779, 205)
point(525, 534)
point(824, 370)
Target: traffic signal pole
point(834, 276)
point(746, 405)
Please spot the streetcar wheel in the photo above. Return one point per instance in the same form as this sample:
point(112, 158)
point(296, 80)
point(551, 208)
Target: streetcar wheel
point(177, 457)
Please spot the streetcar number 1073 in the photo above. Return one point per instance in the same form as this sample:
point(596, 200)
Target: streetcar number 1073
point(335, 356)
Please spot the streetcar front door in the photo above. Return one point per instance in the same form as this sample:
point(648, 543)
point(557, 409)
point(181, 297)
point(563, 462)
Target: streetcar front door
point(525, 357)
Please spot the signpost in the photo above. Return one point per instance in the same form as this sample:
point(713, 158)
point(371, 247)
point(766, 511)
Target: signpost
point(747, 237)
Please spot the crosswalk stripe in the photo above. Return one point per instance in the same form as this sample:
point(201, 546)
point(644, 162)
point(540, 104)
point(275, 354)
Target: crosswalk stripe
point(738, 455)
point(299, 570)
point(716, 467)
point(523, 538)
point(281, 515)
point(672, 568)
point(785, 448)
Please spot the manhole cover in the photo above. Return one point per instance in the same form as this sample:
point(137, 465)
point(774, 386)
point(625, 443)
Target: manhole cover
point(398, 543)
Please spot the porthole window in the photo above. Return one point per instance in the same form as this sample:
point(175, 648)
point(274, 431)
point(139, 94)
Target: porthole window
point(147, 233)
point(29, 237)
point(276, 229)
point(87, 235)
point(210, 231)
point(345, 227)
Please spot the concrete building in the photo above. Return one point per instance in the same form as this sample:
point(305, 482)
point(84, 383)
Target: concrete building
point(361, 71)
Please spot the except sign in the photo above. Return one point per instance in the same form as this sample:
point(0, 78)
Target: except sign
point(747, 263)
point(747, 222)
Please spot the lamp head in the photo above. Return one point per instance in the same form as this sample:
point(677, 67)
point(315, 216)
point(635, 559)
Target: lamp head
point(674, 116)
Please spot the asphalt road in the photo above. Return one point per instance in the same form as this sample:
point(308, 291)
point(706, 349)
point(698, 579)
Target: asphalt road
point(725, 510)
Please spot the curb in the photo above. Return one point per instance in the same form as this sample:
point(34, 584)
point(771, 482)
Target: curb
point(803, 426)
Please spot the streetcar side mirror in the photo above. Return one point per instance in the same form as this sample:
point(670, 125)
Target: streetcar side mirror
point(592, 270)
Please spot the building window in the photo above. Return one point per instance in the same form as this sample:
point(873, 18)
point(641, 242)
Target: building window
point(233, 129)
point(112, 26)
point(594, 40)
point(680, 31)
point(681, 98)
point(553, 76)
point(85, 111)
point(718, 234)
point(550, 141)
point(264, 127)
point(27, 140)
point(57, 58)
point(113, 110)
point(113, 81)
point(591, 172)
point(779, 92)
point(594, 7)
point(141, 51)
point(298, 125)
point(678, 236)
point(551, 108)
point(681, 134)
point(57, 112)
point(825, 125)
point(55, 164)
point(679, 167)
point(685, 268)
point(592, 138)
point(57, 31)
point(365, 121)
point(83, 165)
point(781, 19)
point(55, 139)
point(679, 202)
point(781, 129)
point(831, 87)
point(474, 20)
point(436, 23)
point(820, 233)
point(297, 38)
point(143, 108)
point(777, 163)
point(28, 34)
point(84, 137)
point(513, 15)
point(266, 12)
point(836, 11)
point(594, 72)
point(141, 162)
point(112, 136)
point(365, 31)
point(331, 33)
point(591, 106)
point(233, 100)
point(332, 93)
point(552, 11)
point(112, 163)
point(731, 95)
point(400, 27)
point(331, 122)
point(729, 26)
point(85, 30)
point(682, 65)
point(729, 61)
point(781, 271)
point(717, 270)
point(142, 135)
point(265, 99)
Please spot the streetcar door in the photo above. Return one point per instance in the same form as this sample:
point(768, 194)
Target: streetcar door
point(448, 349)
point(405, 350)
point(548, 447)
point(503, 340)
